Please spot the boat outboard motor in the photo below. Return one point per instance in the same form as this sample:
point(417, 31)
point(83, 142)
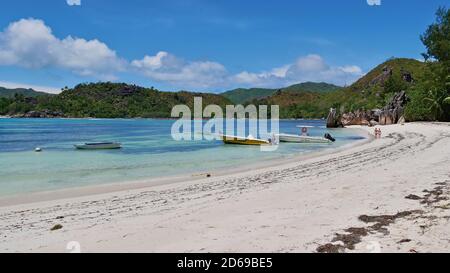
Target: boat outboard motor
point(328, 136)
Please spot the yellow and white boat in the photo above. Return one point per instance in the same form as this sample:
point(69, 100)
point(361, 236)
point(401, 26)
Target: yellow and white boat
point(244, 140)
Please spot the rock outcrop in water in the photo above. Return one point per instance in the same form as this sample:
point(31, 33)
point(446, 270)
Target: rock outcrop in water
point(334, 120)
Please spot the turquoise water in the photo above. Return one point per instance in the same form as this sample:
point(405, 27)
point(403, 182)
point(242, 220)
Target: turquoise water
point(148, 151)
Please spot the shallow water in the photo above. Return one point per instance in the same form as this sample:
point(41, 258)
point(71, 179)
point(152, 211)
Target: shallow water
point(148, 151)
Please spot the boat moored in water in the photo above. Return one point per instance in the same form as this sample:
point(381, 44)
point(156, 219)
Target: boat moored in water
point(303, 139)
point(244, 140)
point(99, 146)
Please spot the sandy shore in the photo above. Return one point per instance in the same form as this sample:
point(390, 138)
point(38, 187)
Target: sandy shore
point(388, 195)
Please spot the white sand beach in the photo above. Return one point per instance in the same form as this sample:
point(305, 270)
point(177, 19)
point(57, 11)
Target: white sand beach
point(388, 195)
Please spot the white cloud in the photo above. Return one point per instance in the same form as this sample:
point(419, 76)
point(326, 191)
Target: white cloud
point(310, 63)
point(280, 71)
point(30, 43)
point(351, 69)
point(48, 89)
point(74, 2)
point(165, 67)
point(308, 68)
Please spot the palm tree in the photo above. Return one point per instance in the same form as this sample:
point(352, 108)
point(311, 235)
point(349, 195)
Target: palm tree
point(436, 99)
point(447, 83)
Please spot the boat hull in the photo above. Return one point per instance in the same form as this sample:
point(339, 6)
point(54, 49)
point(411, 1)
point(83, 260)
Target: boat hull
point(244, 141)
point(302, 139)
point(98, 146)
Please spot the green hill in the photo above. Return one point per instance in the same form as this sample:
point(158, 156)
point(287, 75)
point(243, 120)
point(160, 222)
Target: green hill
point(316, 87)
point(242, 95)
point(370, 92)
point(9, 93)
point(377, 87)
point(307, 100)
point(107, 100)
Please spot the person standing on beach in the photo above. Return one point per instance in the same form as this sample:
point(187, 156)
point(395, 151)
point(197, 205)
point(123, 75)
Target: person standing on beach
point(377, 133)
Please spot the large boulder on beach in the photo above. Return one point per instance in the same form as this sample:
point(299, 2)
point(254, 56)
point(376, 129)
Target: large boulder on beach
point(334, 120)
point(387, 117)
point(356, 118)
point(390, 114)
point(361, 117)
point(393, 111)
point(373, 123)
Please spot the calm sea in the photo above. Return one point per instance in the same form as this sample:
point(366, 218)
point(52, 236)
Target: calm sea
point(148, 152)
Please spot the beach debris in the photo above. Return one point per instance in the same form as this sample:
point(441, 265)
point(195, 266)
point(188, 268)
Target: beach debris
point(413, 197)
point(404, 241)
point(382, 221)
point(434, 196)
point(349, 240)
point(352, 238)
point(56, 227)
point(354, 235)
point(330, 248)
point(379, 223)
point(445, 207)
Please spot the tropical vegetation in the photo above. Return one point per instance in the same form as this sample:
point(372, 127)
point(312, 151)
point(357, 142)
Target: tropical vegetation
point(107, 100)
point(426, 83)
point(245, 95)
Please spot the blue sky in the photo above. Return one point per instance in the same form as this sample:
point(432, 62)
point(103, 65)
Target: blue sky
point(204, 45)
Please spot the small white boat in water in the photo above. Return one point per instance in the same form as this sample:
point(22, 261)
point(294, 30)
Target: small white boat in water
point(303, 139)
point(98, 146)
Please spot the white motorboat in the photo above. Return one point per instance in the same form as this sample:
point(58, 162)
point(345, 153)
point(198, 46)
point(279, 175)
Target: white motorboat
point(303, 139)
point(98, 146)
